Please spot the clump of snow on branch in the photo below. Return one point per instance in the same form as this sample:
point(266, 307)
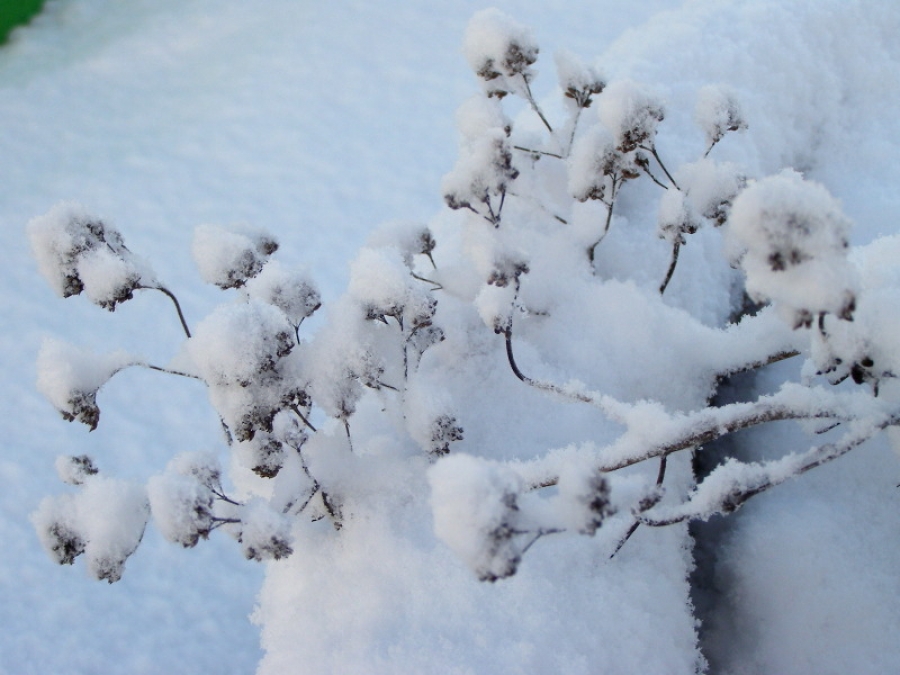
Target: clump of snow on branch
point(579, 81)
point(70, 378)
point(792, 240)
point(712, 187)
point(181, 499)
point(104, 521)
point(476, 514)
point(593, 164)
point(241, 351)
point(264, 533)
point(478, 116)
point(74, 470)
point(78, 252)
point(677, 216)
point(718, 111)
point(631, 113)
point(292, 291)
point(229, 257)
point(501, 51)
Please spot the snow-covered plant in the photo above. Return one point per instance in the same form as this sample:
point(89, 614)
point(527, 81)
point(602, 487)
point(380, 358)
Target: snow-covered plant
point(510, 290)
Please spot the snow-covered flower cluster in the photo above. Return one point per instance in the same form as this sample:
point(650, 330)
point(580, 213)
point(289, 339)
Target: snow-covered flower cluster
point(182, 499)
point(78, 252)
point(501, 51)
point(496, 318)
point(718, 112)
point(104, 521)
point(229, 257)
point(579, 81)
point(792, 239)
point(70, 378)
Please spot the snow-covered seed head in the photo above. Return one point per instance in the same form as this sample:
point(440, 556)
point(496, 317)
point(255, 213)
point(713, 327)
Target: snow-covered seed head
point(592, 494)
point(712, 187)
point(104, 521)
point(78, 252)
point(631, 114)
point(499, 49)
point(507, 271)
point(74, 470)
point(484, 169)
point(676, 217)
point(444, 431)
point(229, 257)
point(794, 240)
point(290, 290)
point(70, 378)
point(236, 343)
point(595, 162)
point(182, 507)
point(264, 534)
point(266, 455)
point(62, 543)
point(476, 513)
point(578, 81)
point(718, 112)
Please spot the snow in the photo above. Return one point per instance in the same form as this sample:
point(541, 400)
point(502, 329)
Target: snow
point(167, 115)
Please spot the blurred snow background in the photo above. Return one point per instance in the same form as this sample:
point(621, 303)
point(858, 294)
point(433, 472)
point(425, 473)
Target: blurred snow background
point(319, 121)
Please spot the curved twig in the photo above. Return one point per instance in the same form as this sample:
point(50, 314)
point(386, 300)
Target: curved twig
point(171, 296)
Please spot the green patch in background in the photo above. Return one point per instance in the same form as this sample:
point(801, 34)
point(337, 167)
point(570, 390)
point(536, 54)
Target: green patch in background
point(15, 13)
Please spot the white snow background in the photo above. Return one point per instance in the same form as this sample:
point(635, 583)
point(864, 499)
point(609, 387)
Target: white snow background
point(319, 122)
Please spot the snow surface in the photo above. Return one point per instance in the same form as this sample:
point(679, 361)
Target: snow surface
point(318, 123)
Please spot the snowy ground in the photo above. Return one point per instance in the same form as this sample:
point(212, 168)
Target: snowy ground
point(318, 122)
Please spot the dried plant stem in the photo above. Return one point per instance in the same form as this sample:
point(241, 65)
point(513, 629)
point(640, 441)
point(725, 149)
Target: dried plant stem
point(534, 106)
point(676, 249)
point(171, 296)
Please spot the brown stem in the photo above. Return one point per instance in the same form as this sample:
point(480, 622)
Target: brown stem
point(296, 410)
point(171, 296)
point(534, 105)
point(652, 150)
point(609, 211)
point(676, 248)
point(537, 152)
